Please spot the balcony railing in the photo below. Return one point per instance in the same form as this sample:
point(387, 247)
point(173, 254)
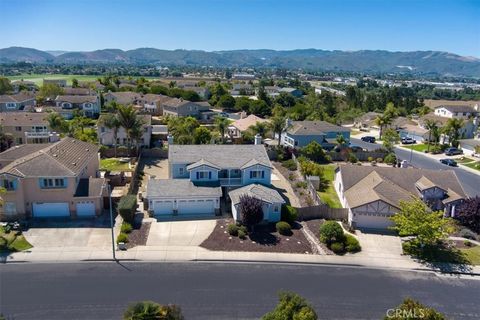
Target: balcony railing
point(39, 134)
point(230, 181)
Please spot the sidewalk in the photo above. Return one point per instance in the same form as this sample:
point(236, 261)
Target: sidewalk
point(193, 253)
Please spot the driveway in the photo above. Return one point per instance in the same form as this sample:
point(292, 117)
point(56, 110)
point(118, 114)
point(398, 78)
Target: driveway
point(180, 233)
point(69, 237)
point(379, 245)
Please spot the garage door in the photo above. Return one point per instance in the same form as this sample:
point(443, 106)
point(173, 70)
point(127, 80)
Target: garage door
point(195, 207)
point(162, 207)
point(51, 209)
point(372, 221)
point(85, 209)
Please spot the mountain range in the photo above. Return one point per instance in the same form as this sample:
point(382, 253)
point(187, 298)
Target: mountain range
point(368, 61)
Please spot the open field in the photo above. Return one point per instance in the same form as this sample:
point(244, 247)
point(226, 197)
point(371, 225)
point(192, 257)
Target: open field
point(38, 78)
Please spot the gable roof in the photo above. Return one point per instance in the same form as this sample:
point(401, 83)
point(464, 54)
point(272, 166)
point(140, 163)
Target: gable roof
point(76, 99)
point(202, 162)
point(17, 152)
point(458, 108)
point(257, 191)
point(11, 119)
point(245, 123)
point(314, 128)
point(69, 91)
point(365, 184)
point(19, 97)
point(223, 156)
point(66, 158)
point(176, 103)
point(170, 188)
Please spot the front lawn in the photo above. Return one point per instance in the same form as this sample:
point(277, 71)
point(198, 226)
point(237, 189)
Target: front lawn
point(472, 254)
point(464, 160)
point(473, 165)
point(114, 164)
point(456, 252)
point(13, 241)
point(421, 147)
point(329, 195)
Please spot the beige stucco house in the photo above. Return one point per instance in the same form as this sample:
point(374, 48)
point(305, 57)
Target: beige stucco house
point(27, 127)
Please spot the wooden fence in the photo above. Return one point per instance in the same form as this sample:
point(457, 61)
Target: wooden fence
point(155, 153)
point(322, 211)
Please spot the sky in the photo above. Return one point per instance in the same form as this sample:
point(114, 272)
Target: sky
point(394, 25)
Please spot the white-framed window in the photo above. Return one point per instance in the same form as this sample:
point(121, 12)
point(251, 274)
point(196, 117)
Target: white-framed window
point(11, 105)
point(257, 174)
point(180, 170)
point(204, 175)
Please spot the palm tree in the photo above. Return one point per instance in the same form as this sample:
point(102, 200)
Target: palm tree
point(341, 140)
point(452, 128)
point(136, 134)
point(127, 116)
point(55, 121)
point(277, 125)
point(221, 124)
point(431, 126)
point(382, 121)
point(111, 122)
point(260, 128)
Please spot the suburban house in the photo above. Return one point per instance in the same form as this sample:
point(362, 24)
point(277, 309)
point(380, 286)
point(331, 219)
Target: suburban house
point(144, 103)
point(457, 111)
point(373, 194)
point(242, 89)
point(62, 83)
point(274, 91)
point(16, 102)
point(70, 91)
point(90, 105)
point(124, 97)
point(298, 134)
point(213, 170)
point(468, 145)
point(184, 108)
point(236, 128)
point(106, 135)
point(59, 180)
point(297, 93)
point(27, 127)
point(20, 85)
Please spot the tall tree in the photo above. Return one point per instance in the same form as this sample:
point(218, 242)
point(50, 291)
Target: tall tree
point(468, 213)
point(56, 122)
point(260, 128)
point(202, 135)
point(431, 125)
point(127, 116)
point(452, 129)
point(221, 124)
point(5, 85)
point(278, 126)
point(251, 210)
point(111, 122)
point(291, 306)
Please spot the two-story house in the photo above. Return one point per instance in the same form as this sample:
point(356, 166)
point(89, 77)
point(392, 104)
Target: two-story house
point(210, 171)
point(373, 194)
point(27, 127)
point(457, 111)
point(59, 180)
point(89, 105)
point(184, 108)
point(298, 134)
point(16, 102)
point(106, 135)
point(21, 85)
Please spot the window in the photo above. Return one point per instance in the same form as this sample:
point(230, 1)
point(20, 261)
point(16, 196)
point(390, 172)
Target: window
point(204, 175)
point(10, 208)
point(8, 184)
point(180, 170)
point(18, 128)
point(52, 183)
point(11, 105)
point(257, 174)
point(102, 129)
point(275, 209)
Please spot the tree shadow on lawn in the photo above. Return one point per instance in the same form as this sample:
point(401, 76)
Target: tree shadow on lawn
point(442, 258)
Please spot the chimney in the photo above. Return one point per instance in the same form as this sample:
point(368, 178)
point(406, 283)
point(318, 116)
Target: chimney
point(170, 139)
point(243, 115)
point(258, 139)
point(288, 122)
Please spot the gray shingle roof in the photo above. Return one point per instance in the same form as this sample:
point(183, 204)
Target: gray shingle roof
point(202, 162)
point(224, 156)
point(19, 97)
point(314, 128)
point(17, 152)
point(171, 188)
point(76, 99)
point(23, 118)
point(257, 191)
point(454, 108)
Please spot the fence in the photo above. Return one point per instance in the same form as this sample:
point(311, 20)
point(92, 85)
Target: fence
point(133, 187)
point(155, 153)
point(361, 155)
point(322, 211)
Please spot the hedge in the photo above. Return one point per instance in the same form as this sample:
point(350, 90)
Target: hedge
point(126, 208)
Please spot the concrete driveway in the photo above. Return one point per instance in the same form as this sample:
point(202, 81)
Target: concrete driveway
point(379, 245)
point(69, 237)
point(180, 233)
point(155, 167)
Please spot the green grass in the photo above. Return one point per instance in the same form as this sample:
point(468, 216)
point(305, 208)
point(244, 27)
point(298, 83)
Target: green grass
point(472, 254)
point(464, 160)
point(113, 164)
point(38, 78)
point(329, 195)
point(14, 241)
point(417, 147)
point(473, 165)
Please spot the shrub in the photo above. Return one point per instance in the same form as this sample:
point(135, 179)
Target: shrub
point(370, 159)
point(251, 210)
point(379, 160)
point(352, 244)
point(330, 232)
point(232, 229)
point(290, 165)
point(337, 247)
point(289, 214)
point(127, 206)
point(301, 184)
point(146, 310)
point(467, 233)
point(374, 163)
point(242, 234)
point(291, 306)
point(3, 244)
point(122, 237)
point(390, 158)
point(352, 158)
point(291, 177)
point(283, 228)
point(126, 227)
point(436, 149)
point(467, 243)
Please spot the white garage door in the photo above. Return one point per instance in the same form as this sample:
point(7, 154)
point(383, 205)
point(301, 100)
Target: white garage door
point(162, 207)
point(85, 209)
point(51, 209)
point(372, 222)
point(195, 207)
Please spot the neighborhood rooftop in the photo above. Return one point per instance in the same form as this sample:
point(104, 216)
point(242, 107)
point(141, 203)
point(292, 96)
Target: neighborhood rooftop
point(76, 99)
point(22, 118)
point(224, 156)
point(174, 187)
point(458, 108)
point(314, 127)
point(257, 191)
point(19, 97)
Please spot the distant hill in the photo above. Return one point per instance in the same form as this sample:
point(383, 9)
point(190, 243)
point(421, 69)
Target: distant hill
point(371, 61)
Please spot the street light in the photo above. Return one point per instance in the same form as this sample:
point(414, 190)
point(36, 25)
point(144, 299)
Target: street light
point(111, 219)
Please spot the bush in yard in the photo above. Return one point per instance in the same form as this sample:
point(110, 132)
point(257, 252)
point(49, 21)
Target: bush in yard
point(370, 159)
point(411, 309)
point(379, 160)
point(390, 158)
point(251, 210)
point(148, 310)
point(242, 234)
point(352, 158)
point(283, 228)
point(3, 244)
point(232, 229)
point(126, 227)
point(127, 206)
point(337, 247)
point(290, 165)
point(468, 214)
point(468, 234)
point(314, 152)
point(122, 237)
point(289, 214)
point(351, 244)
point(330, 232)
point(291, 306)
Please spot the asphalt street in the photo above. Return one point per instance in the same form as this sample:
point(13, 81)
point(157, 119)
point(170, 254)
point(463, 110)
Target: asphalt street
point(469, 180)
point(223, 291)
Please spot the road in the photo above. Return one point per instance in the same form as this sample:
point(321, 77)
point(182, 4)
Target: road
point(469, 180)
point(222, 291)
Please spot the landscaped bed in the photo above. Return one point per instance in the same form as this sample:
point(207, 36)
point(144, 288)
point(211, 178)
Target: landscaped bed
point(12, 241)
point(139, 235)
point(114, 164)
point(264, 239)
point(298, 186)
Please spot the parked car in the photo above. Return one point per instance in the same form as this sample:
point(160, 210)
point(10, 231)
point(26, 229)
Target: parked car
point(453, 151)
point(368, 139)
point(356, 148)
point(408, 140)
point(449, 162)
